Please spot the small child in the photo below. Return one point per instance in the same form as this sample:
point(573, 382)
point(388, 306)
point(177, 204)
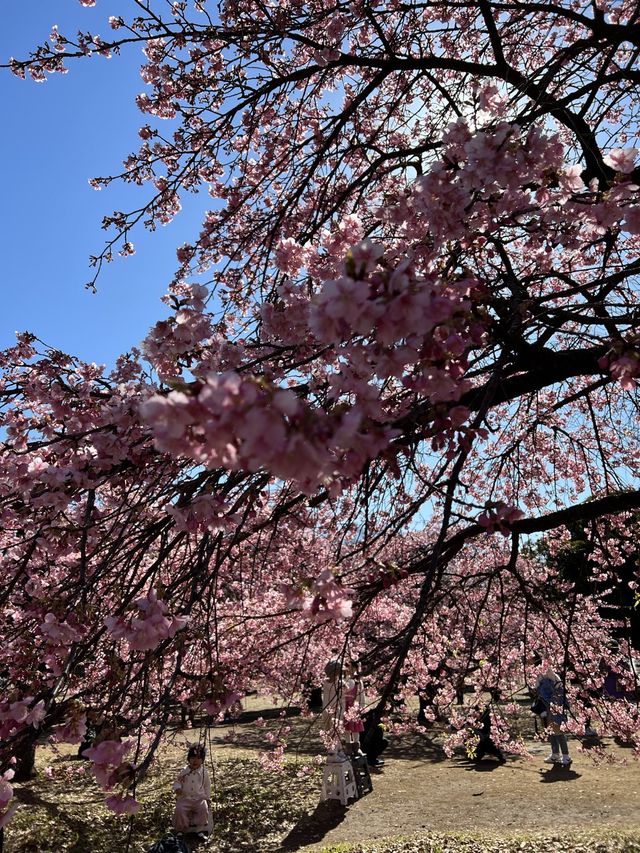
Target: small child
point(342, 699)
point(193, 789)
point(354, 701)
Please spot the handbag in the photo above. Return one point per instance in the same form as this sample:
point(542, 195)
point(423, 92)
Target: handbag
point(538, 707)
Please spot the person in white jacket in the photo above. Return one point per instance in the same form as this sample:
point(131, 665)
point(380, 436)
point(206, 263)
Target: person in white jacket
point(193, 790)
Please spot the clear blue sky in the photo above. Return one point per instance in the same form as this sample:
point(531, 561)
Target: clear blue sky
point(56, 135)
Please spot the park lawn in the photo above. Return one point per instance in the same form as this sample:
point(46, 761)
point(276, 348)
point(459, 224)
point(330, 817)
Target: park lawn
point(67, 813)
point(422, 802)
point(605, 841)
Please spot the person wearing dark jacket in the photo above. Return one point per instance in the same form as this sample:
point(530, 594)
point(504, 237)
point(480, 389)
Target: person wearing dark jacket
point(372, 740)
point(486, 744)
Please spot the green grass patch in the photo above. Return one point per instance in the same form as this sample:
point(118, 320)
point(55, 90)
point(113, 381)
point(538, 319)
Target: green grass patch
point(253, 809)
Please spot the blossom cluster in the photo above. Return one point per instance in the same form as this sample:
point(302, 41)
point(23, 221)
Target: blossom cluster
point(321, 599)
point(146, 630)
point(106, 757)
point(218, 705)
point(7, 810)
point(110, 769)
point(74, 729)
point(623, 362)
point(498, 516)
point(238, 422)
point(381, 313)
point(385, 321)
point(60, 633)
point(170, 340)
point(16, 715)
point(204, 512)
point(387, 574)
point(478, 183)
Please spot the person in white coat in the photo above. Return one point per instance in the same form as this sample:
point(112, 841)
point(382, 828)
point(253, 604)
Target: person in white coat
point(193, 790)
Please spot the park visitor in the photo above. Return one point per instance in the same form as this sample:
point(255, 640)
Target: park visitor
point(342, 699)
point(486, 744)
point(354, 701)
point(193, 790)
point(373, 740)
point(552, 707)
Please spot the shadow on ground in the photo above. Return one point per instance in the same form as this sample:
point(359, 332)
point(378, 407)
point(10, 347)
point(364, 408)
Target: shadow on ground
point(413, 746)
point(303, 738)
point(313, 827)
point(559, 774)
point(78, 826)
point(484, 766)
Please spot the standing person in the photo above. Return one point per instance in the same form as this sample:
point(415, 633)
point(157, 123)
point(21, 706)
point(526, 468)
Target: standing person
point(332, 701)
point(486, 744)
point(374, 742)
point(354, 701)
point(550, 692)
point(193, 790)
point(342, 697)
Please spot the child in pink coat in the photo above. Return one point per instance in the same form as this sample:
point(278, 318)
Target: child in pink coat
point(193, 789)
point(342, 700)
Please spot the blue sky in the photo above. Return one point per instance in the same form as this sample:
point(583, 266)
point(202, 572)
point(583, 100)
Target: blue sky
point(56, 136)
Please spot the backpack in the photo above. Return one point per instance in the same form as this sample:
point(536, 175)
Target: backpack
point(169, 844)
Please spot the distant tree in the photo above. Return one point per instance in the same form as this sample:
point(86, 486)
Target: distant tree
point(578, 561)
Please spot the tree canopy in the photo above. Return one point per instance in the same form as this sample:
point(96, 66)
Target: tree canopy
point(403, 352)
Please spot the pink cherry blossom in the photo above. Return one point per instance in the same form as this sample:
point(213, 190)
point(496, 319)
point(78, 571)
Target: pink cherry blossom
point(498, 517)
point(622, 159)
point(396, 331)
point(219, 706)
point(148, 630)
point(107, 752)
point(122, 805)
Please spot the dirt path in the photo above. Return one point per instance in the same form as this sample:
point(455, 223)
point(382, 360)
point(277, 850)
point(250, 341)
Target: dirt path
point(412, 795)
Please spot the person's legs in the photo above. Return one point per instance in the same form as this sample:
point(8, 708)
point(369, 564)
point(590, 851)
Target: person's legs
point(190, 812)
point(372, 739)
point(374, 749)
point(200, 813)
point(555, 749)
point(481, 749)
point(564, 747)
point(494, 750)
point(181, 815)
point(561, 740)
point(353, 741)
point(559, 746)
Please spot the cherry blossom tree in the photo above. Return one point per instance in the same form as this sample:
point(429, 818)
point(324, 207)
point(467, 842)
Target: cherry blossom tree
point(403, 352)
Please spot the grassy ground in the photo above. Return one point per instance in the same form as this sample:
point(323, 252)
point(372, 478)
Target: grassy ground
point(66, 813)
point(416, 801)
point(590, 842)
point(254, 812)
